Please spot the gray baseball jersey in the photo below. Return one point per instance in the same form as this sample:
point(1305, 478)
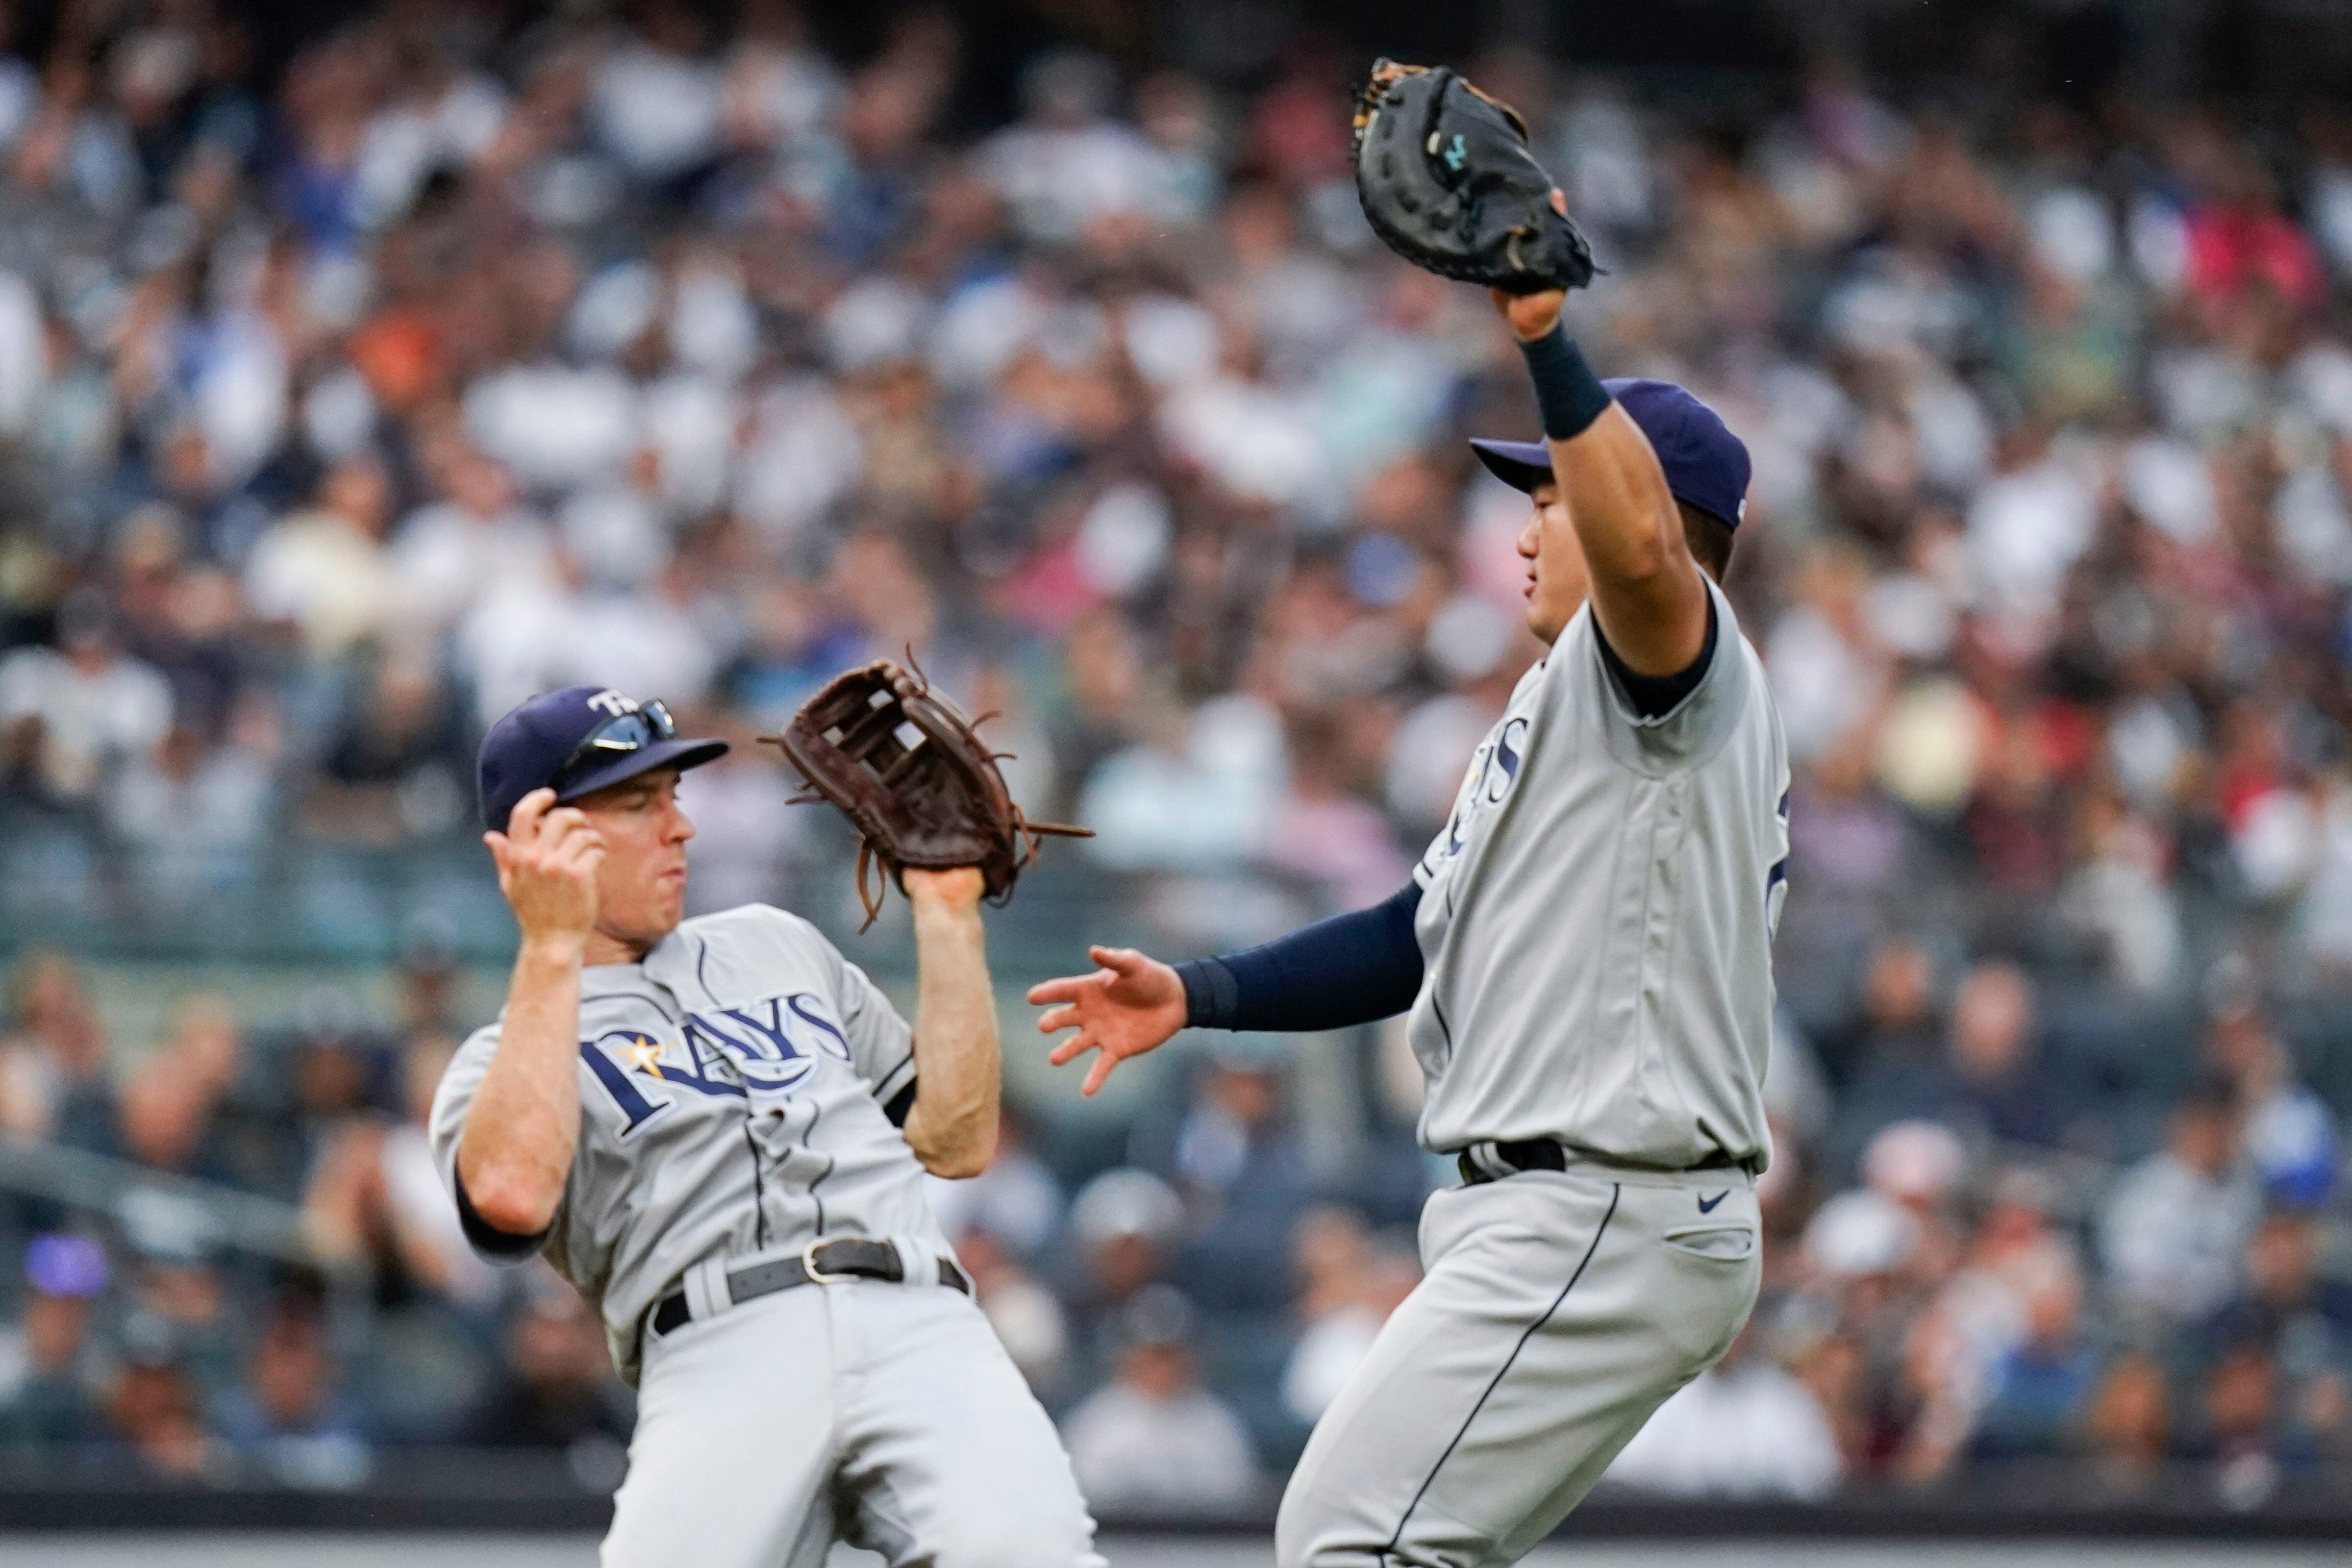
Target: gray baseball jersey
point(1596, 918)
point(1595, 929)
point(733, 1088)
point(733, 1096)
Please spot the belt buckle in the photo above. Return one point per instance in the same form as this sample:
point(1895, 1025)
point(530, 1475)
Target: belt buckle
point(817, 1276)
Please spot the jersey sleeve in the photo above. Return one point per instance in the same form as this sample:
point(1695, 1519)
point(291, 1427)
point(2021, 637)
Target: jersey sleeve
point(881, 1044)
point(1696, 726)
point(459, 1083)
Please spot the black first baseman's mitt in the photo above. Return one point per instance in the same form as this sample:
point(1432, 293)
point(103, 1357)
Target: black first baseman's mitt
point(913, 777)
point(1447, 180)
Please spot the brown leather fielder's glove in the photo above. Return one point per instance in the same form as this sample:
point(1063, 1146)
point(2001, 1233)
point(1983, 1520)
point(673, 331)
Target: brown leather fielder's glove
point(915, 779)
point(1447, 182)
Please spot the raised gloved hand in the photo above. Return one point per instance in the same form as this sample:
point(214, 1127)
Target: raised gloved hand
point(915, 779)
point(1447, 182)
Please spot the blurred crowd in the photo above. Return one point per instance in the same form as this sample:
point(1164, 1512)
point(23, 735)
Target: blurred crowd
point(469, 355)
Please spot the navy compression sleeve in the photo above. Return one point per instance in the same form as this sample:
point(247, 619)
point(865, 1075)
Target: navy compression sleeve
point(1351, 968)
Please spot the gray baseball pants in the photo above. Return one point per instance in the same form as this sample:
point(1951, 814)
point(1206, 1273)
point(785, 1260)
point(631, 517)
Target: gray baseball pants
point(1556, 1313)
point(885, 1415)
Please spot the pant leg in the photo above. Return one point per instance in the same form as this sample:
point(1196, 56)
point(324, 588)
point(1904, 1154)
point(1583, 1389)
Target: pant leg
point(1554, 1319)
point(734, 1446)
point(948, 1460)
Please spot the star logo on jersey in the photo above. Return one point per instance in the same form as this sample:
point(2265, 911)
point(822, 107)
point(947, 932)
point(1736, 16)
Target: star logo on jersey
point(644, 1055)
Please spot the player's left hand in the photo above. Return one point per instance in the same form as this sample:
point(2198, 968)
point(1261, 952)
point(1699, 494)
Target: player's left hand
point(1124, 1008)
point(1532, 315)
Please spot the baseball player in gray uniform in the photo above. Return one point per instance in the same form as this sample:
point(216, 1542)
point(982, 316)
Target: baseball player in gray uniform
point(717, 1128)
point(1585, 954)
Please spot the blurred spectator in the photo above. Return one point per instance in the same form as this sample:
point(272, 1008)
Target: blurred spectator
point(1743, 1429)
point(2284, 1303)
point(1197, 796)
point(53, 1078)
point(1895, 1020)
point(195, 813)
point(2129, 1425)
point(399, 769)
point(1015, 1201)
point(2240, 1433)
point(1124, 1226)
point(431, 984)
point(2173, 1231)
point(1236, 1159)
point(333, 1068)
point(376, 1196)
point(2038, 1390)
point(71, 716)
point(50, 1371)
point(322, 572)
point(152, 1415)
point(292, 1423)
point(555, 1392)
point(1068, 164)
point(1024, 1314)
point(1351, 1284)
point(181, 1301)
point(2289, 1134)
point(1153, 1442)
point(1991, 1084)
point(447, 554)
point(165, 1116)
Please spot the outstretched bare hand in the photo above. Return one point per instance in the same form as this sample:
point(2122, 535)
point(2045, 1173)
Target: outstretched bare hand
point(1122, 1010)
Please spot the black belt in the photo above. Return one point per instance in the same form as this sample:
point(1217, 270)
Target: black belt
point(1543, 1155)
point(820, 1263)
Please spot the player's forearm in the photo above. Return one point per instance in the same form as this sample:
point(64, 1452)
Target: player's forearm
point(1618, 499)
point(1350, 969)
point(958, 1075)
point(1645, 588)
point(516, 1151)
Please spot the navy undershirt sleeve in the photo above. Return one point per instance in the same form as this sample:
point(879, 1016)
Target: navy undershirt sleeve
point(1654, 697)
point(1349, 969)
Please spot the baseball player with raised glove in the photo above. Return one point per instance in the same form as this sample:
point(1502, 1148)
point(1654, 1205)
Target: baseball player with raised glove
point(717, 1128)
point(1584, 950)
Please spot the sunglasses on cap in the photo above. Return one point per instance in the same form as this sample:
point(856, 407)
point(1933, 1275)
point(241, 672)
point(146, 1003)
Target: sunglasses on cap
point(647, 724)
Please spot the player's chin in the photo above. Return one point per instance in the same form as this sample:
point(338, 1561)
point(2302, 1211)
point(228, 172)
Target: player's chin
point(666, 901)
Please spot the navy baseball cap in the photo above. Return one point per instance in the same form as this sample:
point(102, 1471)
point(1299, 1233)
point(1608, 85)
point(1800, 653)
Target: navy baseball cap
point(577, 741)
point(1706, 464)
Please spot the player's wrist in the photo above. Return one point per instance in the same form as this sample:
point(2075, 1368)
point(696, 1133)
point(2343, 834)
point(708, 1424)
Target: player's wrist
point(1569, 396)
point(1532, 317)
point(1207, 992)
point(950, 894)
point(556, 949)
